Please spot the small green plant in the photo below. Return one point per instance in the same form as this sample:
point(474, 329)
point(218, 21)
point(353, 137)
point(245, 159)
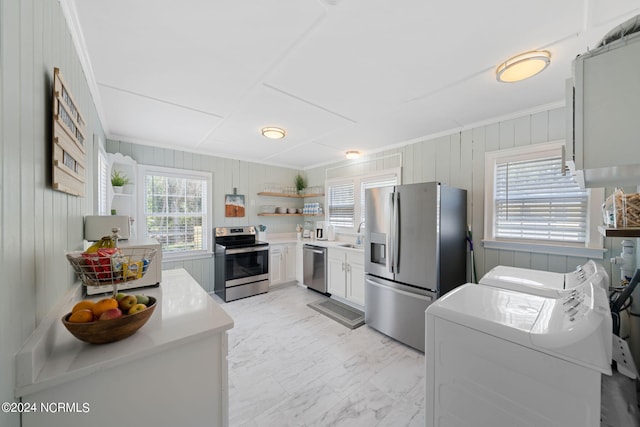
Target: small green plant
point(300, 182)
point(118, 179)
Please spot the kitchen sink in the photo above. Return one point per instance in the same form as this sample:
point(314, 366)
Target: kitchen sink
point(351, 246)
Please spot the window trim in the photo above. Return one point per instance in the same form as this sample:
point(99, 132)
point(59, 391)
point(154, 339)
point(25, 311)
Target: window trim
point(357, 183)
point(593, 246)
point(179, 173)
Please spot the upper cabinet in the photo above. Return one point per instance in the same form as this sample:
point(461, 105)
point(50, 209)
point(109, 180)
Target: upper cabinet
point(605, 125)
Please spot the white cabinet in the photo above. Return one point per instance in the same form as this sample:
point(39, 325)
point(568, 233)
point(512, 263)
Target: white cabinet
point(282, 263)
point(346, 275)
point(299, 263)
point(336, 271)
point(605, 117)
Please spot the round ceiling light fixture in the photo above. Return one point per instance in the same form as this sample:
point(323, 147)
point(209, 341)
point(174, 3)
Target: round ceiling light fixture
point(273, 132)
point(523, 66)
point(352, 154)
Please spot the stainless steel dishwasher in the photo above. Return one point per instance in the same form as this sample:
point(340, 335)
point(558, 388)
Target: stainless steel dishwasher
point(314, 262)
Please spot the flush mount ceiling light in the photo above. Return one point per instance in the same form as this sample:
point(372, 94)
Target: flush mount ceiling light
point(273, 132)
point(523, 66)
point(352, 154)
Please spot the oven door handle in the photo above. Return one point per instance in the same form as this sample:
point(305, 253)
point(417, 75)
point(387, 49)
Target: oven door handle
point(246, 250)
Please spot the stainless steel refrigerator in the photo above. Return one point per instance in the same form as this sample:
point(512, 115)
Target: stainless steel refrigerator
point(415, 252)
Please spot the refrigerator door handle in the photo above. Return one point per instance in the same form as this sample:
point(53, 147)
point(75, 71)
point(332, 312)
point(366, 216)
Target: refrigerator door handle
point(391, 232)
point(396, 232)
point(377, 284)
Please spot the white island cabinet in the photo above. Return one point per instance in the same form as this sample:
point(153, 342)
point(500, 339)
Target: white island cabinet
point(173, 371)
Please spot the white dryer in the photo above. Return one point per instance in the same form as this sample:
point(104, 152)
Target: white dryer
point(496, 357)
point(545, 283)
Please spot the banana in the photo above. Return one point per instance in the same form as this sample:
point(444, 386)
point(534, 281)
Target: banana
point(104, 243)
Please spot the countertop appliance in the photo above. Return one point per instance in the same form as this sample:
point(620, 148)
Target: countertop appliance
point(314, 266)
point(241, 263)
point(498, 357)
point(152, 277)
point(545, 283)
point(415, 252)
point(98, 226)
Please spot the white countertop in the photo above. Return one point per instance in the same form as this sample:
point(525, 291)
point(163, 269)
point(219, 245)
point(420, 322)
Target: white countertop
point(185, 313)
point(282, 240)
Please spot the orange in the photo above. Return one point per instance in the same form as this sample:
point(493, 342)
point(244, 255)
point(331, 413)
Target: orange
point(82, 305)
point(83, 315)
point(104, 305)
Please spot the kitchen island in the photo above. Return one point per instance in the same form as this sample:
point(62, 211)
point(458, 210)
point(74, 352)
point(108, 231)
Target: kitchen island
point(173, 371)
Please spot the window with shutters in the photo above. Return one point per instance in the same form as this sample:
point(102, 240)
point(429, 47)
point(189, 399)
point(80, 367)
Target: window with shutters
point(176, 210)
point(532, 198)
point(345, 197)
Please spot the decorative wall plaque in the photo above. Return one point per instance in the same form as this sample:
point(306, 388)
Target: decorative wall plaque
point(69, 151)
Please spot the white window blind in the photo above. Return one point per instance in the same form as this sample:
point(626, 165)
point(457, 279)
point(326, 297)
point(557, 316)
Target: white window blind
point(345, 197)
point(374, 182)
point(341, 204)
point(535, 201)
point(176, 211)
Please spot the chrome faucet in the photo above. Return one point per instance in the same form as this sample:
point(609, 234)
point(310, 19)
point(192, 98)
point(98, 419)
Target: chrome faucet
point(359, 237)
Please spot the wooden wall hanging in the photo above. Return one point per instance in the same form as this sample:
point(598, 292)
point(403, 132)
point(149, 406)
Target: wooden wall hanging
point(69, 151)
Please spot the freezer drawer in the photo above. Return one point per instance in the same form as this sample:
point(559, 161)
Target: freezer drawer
point(397, 310)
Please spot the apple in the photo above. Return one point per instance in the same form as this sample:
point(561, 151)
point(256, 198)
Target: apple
point(142, 299)
point(137, 308)
point(126, 302)
point(112, 313)
point(120, 295)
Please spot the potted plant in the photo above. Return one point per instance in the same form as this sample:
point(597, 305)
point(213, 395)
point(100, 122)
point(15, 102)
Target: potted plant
point(118, 180)
point(300, 183)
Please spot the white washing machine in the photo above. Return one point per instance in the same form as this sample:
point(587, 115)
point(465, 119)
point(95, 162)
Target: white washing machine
point(545, 283)
point(497, 357)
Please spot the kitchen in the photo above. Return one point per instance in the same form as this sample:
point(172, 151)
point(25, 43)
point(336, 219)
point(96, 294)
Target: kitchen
point(39, 224)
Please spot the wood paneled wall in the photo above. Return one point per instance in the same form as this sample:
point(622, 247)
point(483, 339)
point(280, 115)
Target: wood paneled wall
point(37, 224)
point(248, 178)
point(458, 160)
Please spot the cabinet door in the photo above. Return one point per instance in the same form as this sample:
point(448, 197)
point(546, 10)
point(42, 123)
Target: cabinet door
point(299, 263)
point(276, 270)
point(290, 263)
point(355, 278)
point(336, 270)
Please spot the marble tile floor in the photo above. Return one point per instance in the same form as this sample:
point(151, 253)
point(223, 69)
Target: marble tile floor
point(292, 366)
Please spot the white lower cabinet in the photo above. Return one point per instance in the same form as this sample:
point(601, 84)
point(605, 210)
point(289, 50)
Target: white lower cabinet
point(299, 263)
point(346, 275)
point(282, 263)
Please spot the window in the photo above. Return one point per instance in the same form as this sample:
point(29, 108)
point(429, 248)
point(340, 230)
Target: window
point(104, 182)
point(529, 200)
point(345, 205)
point(176, 210)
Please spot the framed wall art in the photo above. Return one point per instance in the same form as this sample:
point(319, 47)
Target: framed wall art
point(234, 205)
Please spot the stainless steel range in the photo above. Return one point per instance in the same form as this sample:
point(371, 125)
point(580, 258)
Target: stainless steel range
point(241, 263)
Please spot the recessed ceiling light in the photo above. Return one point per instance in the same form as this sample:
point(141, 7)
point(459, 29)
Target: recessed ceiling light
point(523, 66)
point(352, 154)
point(273, 132)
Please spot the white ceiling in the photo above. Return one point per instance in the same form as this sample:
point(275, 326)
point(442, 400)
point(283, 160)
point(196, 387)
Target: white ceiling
point(205, 76)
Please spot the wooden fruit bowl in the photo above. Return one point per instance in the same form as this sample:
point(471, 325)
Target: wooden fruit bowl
point(106, 331)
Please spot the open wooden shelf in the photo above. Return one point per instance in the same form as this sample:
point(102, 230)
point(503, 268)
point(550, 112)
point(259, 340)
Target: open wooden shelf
point(288, 214)
point(294, 196)
point(619, 232)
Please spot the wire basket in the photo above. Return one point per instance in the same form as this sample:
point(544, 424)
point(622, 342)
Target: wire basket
point(111, 266)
